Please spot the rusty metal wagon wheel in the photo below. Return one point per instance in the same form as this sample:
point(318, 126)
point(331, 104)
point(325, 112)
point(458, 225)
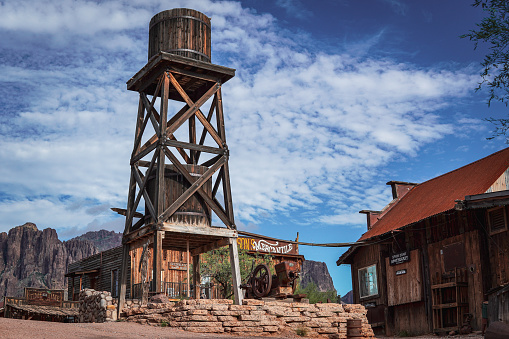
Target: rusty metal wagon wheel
point(261, 281)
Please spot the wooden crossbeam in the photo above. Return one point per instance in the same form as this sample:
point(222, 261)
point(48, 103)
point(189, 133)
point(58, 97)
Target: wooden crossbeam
point(194, 108)
point(194, 146)
point(204, 132)
point(208, 200)
point(142, 187)
point(195, 185)
point(198, 113)
point(143, 153)
point(148, 202)
point(153, 139)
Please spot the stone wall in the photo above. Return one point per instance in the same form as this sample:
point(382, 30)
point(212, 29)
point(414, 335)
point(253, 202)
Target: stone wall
point(255, 317)
point(96, 307)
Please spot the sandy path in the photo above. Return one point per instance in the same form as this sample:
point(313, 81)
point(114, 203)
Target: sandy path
point(28, 329)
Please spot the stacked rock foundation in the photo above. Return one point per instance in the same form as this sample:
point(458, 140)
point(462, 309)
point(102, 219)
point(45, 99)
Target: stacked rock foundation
point(96, 307)
point(254, 318)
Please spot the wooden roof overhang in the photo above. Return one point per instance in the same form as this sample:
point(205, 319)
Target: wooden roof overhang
point(46, 310)
point(194, 76)
point(73, 274)
point(485, 200)
point(176, 237)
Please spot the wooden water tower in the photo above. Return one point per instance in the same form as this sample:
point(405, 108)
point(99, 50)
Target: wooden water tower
point(182, 182)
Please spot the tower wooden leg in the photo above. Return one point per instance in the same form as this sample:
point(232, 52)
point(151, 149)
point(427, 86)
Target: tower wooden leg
point(234, 262)
point(157, 256)
point(196, 276)
point(123, 278)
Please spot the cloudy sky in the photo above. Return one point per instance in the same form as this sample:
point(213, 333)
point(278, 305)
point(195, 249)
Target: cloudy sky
point(331, 100)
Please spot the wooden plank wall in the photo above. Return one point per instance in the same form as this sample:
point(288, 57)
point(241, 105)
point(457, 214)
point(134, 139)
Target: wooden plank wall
point(499, 258)
point(367, 256)
point(410, 318)
point(106, 262)
point(404, 288)
point(169, 256)
point(473, 262)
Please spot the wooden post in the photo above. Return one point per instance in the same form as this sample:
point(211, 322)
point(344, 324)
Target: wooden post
point(234, 262)
point(196, 276)
point(187, 261)
point(157, 260)
point(123, 279)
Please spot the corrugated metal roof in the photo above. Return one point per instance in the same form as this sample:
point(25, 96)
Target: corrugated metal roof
point(439, 194)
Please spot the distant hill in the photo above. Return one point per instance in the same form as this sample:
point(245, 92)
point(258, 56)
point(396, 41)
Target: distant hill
point(317, 272)
point(103, 240)
point(348, 298)
point(30, 257)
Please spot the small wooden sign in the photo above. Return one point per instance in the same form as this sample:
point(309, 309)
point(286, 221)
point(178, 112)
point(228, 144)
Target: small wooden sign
point(43, 297)
point(400, 272)
point(177, 266)
point(399, 258)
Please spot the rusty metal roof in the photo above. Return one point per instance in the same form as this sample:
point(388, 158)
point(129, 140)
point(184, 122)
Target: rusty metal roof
point(439, 194)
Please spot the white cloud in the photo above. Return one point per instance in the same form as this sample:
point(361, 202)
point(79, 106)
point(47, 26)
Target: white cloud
point(306, 129)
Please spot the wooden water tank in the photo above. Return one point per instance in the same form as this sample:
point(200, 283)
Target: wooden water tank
point(194, 211)
point(180, 31)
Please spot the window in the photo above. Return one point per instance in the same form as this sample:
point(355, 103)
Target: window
point(368, 284)
point(497, 219)
point(114, 283)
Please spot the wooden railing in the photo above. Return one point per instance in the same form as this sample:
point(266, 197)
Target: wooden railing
point(22, 301)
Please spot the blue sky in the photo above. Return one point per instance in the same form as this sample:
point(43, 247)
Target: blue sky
point(331, 100)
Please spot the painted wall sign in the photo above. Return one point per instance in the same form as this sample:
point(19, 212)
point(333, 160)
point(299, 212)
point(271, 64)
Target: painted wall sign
point(399, 258)
point(266, 246)
point(400, 272)
point(43, 297)
point(179, 266)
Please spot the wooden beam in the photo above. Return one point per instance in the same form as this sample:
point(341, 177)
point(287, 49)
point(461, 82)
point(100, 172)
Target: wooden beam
point(198, 113)
point(143, 153)
point(196, 276)
point(208, 200)
point(204, 132)
point(157, 258)
point(148, 202)
point(201, 76)
point(192, 138)
point(143, 185)
point(123, 212)
point(201, 230)
point(193, 108)
point(196, 185)
point(210, 247)
point(193, 146)
point(211, 161)
point(142, 232)
point(123, 278)
point(235, 267)
point(187, 261)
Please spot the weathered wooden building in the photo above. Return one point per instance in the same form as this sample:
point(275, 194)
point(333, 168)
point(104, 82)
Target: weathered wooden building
point(437, 251)
point(101, 271)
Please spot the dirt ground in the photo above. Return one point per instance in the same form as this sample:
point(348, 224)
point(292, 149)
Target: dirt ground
point(28, 329)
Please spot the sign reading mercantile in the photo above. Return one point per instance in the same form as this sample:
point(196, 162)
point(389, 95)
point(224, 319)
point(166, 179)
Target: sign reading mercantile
point(399, 258)
point(264, 246)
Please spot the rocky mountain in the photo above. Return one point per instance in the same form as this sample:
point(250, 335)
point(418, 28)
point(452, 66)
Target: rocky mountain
point(317, 272)
point(30, 257)
point(103, 240)
point(348, 298)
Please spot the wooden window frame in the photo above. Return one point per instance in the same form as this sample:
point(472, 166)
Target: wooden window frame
point(500, 230)
point(115, 283)
point(359, 272)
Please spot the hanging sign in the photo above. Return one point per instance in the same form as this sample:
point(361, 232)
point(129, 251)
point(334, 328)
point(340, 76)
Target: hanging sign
point(266, 246)
point(399, 258)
